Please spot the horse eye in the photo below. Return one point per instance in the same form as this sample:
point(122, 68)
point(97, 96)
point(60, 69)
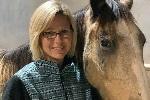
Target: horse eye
point(106, 44)
point(106, 41)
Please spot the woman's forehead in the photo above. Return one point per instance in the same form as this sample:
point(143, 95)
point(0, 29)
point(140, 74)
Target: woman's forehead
point(59, 21)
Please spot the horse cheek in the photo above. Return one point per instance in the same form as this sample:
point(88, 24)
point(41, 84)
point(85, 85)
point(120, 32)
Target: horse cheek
point(93, 75)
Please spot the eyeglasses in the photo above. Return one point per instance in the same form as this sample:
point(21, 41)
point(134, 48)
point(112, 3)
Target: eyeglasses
point(64, 33)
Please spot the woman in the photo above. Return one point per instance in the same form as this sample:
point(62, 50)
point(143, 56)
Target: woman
point(53, 74)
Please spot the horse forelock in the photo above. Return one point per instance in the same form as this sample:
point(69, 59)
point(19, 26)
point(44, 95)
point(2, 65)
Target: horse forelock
point(112, 11)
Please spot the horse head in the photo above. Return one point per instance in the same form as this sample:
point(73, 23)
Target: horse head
point(113, 51)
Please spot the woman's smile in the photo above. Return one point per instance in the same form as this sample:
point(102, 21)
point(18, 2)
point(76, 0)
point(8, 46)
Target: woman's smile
point(58, 49)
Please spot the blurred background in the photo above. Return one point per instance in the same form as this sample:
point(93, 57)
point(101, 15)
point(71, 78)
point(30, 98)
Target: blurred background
point(15, 16)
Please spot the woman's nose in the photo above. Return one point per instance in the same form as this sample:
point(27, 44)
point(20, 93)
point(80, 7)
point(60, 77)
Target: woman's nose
point(58, 38)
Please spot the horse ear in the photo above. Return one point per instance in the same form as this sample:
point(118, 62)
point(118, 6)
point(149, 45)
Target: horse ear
point(105, 9)
point(96, 6)
point(127, 3)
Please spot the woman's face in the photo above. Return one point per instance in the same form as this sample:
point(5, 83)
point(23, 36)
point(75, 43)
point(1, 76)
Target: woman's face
point(56, 41)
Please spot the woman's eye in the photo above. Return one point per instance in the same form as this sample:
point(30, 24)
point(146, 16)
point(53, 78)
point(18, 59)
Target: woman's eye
point(65, 31)
point(48, 33)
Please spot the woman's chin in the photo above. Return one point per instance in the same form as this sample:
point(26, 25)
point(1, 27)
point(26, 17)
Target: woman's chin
point(58, 57)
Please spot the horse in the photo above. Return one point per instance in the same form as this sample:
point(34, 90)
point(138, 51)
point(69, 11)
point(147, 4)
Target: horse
point(109, 47)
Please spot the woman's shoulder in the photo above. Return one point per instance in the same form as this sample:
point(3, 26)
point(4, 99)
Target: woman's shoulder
point(15, 90)
point(26, 69)
point(13, 83)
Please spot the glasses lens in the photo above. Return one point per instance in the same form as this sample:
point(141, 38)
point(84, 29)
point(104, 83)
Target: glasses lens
point(66, 33)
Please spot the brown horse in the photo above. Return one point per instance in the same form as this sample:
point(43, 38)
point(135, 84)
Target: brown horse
point(113, 51)
point(109, 46)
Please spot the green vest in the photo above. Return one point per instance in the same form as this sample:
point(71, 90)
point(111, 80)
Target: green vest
point(44, 81)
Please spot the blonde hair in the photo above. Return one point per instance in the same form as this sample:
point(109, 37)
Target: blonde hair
point(40, 19)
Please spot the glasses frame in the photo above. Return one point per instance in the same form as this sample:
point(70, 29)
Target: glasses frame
point(63, 33)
